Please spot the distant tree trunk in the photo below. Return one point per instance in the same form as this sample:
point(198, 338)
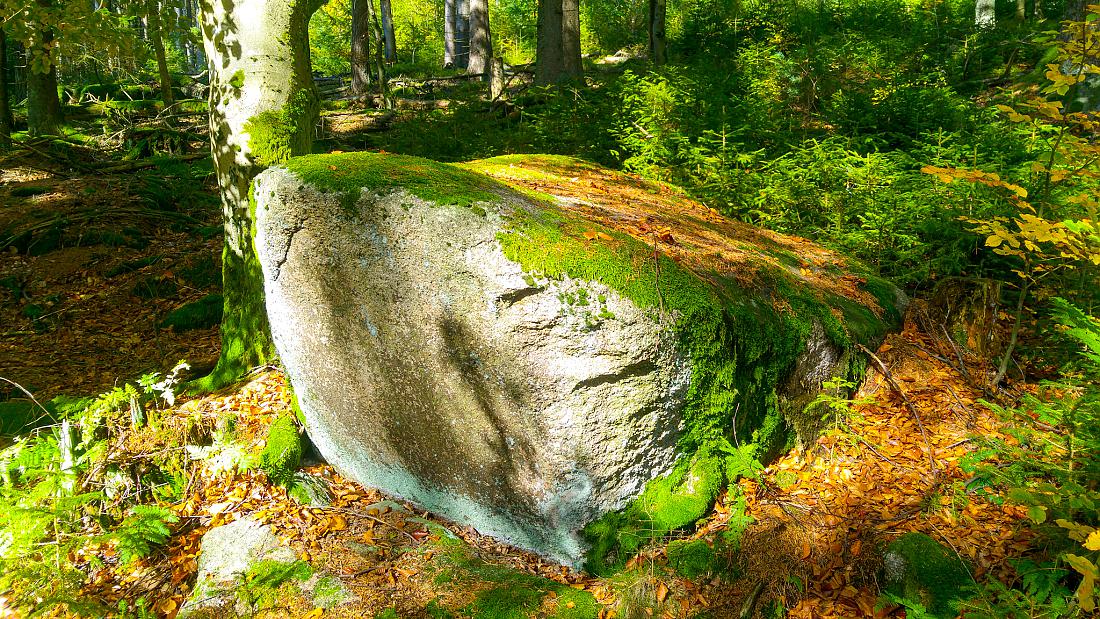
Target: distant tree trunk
point(263, 105)
point(379, 57)
point(462, 33)
point(449, 21)
point(1021, 10)
point(985, 14)
point(549, 53)
point(481, 40)
point(7, 124)
point(156, 37)
point(387, 30)
point(360, 47)
point(571, 38)
point(657, 45)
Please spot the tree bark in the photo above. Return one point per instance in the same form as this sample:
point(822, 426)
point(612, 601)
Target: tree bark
point(44, 115)
point(263, 106)
point(387, 30)
point(379, 57)
point(462, 33)
point(985, 14)
point(449, 21)
point(360, 47)
point(481, 40)
point(549, 53)
point(571, 38)
point(7, 123)
point(156, 37)
point(1021, 10)
point(658, 47)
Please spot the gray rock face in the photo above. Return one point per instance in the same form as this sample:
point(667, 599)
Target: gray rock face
point(227, 553)
point(242, 562)
point(429, 365)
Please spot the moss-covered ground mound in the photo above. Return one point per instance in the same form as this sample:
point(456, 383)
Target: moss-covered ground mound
point(744, 302)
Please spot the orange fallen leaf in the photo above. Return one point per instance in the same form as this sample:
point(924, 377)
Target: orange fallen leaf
point(662, 592)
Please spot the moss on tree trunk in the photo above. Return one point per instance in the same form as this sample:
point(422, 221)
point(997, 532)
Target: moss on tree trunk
point(263, 105)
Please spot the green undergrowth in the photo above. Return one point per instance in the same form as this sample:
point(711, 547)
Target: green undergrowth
point(503, 592)
point(23, 415)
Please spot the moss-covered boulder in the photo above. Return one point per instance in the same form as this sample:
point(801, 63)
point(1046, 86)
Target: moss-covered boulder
point(920, 569)
point(524, 343)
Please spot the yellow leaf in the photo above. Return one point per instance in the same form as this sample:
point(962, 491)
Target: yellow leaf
point(1093, 541)
point(314, 614)
point(993, 241)
point(590, 235)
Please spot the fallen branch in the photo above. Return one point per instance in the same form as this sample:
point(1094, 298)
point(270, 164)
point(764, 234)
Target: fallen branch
point(130, 166)
point(913, 409)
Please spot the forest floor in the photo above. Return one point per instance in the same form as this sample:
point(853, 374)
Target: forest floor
point(81, 317)
point(822, 516)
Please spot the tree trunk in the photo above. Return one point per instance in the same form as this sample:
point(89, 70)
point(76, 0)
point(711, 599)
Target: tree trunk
point(7, 124)
point(462, 33)
point(156, 37)
point(549, 59)
point(1021, 10)
point(449, 21)
point(657, 45)
point(379, 57)
point(481, 40)
point(571, 38)
point(985, 14)
point(43, 105)
point(360, 47)
point(263, 105)
point(387, 30)
point(496, 79)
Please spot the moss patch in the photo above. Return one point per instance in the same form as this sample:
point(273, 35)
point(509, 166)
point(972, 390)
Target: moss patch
point(669, 503)
point(691, 558)
point(920, 569)
point(348, 173)
point(201, 314)
point(283, 452)
point(500, 592)
point(273, 135)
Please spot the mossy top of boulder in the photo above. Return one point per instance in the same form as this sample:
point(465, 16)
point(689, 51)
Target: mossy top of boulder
point(920, 569)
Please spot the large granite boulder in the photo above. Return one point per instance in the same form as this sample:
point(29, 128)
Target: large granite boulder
point(524, 343)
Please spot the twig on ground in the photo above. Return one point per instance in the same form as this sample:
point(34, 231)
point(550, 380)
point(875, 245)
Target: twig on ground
point(909, 403)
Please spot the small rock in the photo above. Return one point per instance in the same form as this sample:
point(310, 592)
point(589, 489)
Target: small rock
point(919, 569)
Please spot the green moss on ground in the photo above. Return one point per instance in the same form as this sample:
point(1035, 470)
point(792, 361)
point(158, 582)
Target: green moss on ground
point(920, 569)
point(502, 592)
point(691, 558)
point(283, 452)
point(668, 503)
point(201, 314)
